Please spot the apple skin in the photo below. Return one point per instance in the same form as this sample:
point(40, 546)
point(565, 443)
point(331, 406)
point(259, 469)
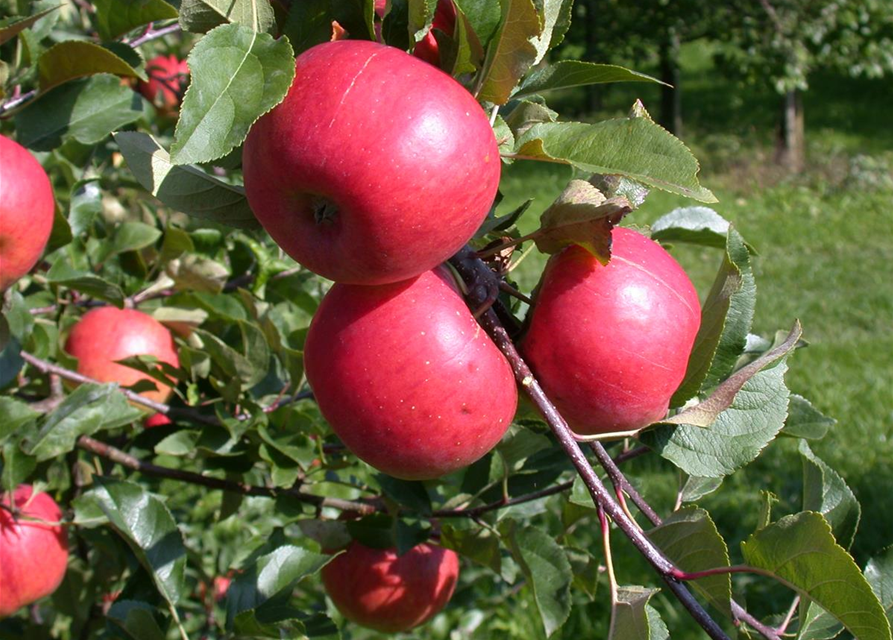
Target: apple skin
point(378, 589)
point(33, 556)
point(375, 168)
point(407, 378)
point(165, 73)
point(107, 334)
point(156, 420)
point(27, 208)
point(610, 344)
point(427, 48)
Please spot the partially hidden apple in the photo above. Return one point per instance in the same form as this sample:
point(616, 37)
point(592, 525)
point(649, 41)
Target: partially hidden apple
point(27, 208)
point(407, 378)
point(428, 48)
point(156, 420)
point(107, 334)
point(610, 344)
point(168, 76)
point(376, 166)
point(378, 589)
point(33, 548)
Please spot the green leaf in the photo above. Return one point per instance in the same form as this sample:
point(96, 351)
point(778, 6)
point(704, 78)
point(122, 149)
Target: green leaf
point(581, 215)
point(747, 420)
point(237, 76)
point(410, 494)
point(574, 73)
point(805, 421)
point(511, 52)
point(879, 574)
point(85, 204)
point(14, 414)
point(633, 147)
point(690, 539)
point(696, 488)
point(73, 59)
point(825, 492)
point(114, 18)
point(547, 569)
point(184, 188)
point(139, 620)
point(484, 17)
point(17, 465)
point(420, 16)
point(554, 14)
point(250, 365)
point(700, 226)
point(629, 616)
point(129, 236)
point(800, 551)
point(89, 409)
point(585, 567)
point(725, 322)
point(200, 16)
point(10, 27)
point(147, 526)
point(477, 544)
point(196, 273)
point(85, 110)
point(309, 23)
point(271, 575)
point(64, 274)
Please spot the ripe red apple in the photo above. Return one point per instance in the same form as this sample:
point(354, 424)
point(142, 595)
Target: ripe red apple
point(107, 334)
point(33, 555)
point(378, 589)
point(375, 168)
point(444, 20)
point(610, 344)
point(27, 207)
point(407, 378)
point(168, 76)
point(156, 420)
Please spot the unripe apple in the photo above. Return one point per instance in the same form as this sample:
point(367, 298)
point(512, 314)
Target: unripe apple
point(33, 548)
point(107, 334)
point(427, 48)
point(407, 378)
point(378, 589)
point(26, 211)
point(167, 81)
point(610, 344)
point(376, 166)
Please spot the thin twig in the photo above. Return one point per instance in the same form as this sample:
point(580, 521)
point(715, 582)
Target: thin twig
point(154, 34)
point(147, 468)
point(13, 103)
point(790, 616)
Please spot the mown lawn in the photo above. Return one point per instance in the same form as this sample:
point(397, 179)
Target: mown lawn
point(825, 243)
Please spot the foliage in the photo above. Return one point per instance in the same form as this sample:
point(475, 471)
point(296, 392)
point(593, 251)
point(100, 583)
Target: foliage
point(155, 217)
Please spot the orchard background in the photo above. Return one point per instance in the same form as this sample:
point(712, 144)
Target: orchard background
point(149, 549)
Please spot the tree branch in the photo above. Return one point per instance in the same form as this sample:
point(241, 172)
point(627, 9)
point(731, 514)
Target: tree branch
point(473, 271)
point(147, 468)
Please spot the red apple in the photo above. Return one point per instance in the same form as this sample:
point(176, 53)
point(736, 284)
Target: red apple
point(407, 378)
point(107, 334)
point(610, 344)
point(378, 589)
point(168, 76)
point(444, 20)
point(156, 420)
point(26, 211)
point(33, 552)
point(375, 168)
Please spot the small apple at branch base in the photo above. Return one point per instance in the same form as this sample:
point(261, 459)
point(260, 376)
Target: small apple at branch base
point(378, 589)
point(33, 548)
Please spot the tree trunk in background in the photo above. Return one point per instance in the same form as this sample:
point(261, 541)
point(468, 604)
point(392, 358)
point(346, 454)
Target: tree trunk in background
point(593, 92)
point(790, 149)
point(671, 97)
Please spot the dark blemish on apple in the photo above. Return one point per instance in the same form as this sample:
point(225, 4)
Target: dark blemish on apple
point(324, 210)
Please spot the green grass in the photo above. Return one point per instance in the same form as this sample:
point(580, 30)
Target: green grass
point(825, 247)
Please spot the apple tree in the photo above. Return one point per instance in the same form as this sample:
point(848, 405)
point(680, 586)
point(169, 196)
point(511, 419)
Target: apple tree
point(203, 436)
